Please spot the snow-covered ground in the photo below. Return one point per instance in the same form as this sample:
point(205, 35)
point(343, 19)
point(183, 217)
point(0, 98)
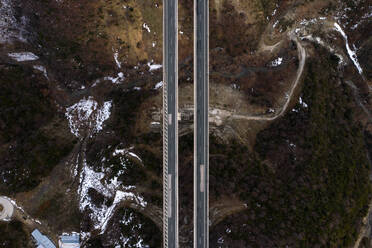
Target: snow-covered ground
point(87, 115)
point(154, 66)
point(145, 26)
point(126, 152)
point(366, 17)
point(319, 41)
point(128, 220)
point(158, 85)
point(351, 52)
point(10, 28)
point(304, 104)
point(115, 80)
point(111, 189)
point(42, 69)
point(276, 62)
point(23, 56)
point(121, 196)
point(116, 58)
point(91, 179)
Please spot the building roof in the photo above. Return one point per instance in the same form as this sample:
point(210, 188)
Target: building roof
point(41, 240)
point(70, 239)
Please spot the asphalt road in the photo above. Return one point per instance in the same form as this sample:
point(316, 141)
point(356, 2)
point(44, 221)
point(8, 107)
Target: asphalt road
point(170, 125)
point(201, 132)
point(7, 209)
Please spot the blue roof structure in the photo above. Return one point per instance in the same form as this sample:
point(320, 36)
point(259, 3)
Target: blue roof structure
point(70, 241)
point(41, 240)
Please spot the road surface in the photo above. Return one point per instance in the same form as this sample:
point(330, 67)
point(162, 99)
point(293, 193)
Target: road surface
point(302, 58)
point(170, 125)
point(201, 133)
point(7, 209)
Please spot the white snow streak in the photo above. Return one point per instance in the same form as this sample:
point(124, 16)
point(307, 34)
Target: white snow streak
point(154, 66)
point(116, 58)
point(23, 56)
point(126, 152)
point(102, 115)
point(158, 85)
point(42, 69)
point(115, 80)
point(352, 54)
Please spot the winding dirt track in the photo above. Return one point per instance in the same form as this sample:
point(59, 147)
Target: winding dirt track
point(302, 58)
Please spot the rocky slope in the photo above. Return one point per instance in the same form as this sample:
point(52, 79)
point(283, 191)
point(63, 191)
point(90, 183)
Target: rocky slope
point(290, 111)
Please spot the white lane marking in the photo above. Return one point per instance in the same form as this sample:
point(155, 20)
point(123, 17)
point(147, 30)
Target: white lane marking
point(169, 195)
point(202, 178)
point(170, 119)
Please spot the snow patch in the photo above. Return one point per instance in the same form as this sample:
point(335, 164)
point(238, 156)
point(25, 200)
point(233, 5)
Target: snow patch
point(275, 24)
point(274, 12)
point(154, 66)
point(115, 80)
point(42, 69)
point(308, 22)
point(352, 53)
point(100, 215)
point(116, 58)
point(86, 115)
point(23, 56)
point(319, 41)
point(126, 152)
point(302, 103)
point(276, 62)
point(235, 86)
point(158, 85)
point(366, 16)
point(220, 240)
point(102, 115)
point(10, 28)
point(121, 196)
point(145, 26)
point(128, 221)
point(91, 179)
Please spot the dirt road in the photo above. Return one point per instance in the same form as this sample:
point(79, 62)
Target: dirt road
point(302, 59)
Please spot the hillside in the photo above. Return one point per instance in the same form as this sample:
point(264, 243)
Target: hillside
point(290, 121)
